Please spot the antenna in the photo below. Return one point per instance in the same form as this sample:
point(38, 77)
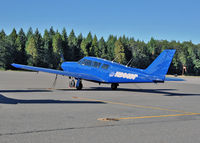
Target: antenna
point(114, 59)
point(129, 62)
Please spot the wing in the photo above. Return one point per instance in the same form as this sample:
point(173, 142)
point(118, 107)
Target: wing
point(59, 72)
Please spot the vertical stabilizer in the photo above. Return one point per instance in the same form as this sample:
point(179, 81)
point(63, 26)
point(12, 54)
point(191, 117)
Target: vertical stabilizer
point(161, 64)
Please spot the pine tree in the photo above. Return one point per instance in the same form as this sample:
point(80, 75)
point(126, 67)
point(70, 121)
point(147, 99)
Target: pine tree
point(29, 33)
point(40, 49)
point(31, 50)
point(84, 47)
point(51, 32)
point(95, 46)
point(78, 52)
point(102, 48)
point(119, 51)
point(72, 43)
point(138, 52)
point(13, 45)
point(89, 47)
point(51, 35)
point(57, 49)
point(127, 49)
point(2, 34)
point(152, 48)
point(64, 44)
point(110, 47)
point(48, 50)
point(13, 36)
point(2, 49)
point(21, 45)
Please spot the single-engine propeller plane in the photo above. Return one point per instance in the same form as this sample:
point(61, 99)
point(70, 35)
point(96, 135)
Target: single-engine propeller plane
point(104, 71)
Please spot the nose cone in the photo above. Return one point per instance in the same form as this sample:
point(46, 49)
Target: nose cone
point(69, 66)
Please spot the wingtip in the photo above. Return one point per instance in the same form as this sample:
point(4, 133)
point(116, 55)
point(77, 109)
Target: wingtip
point(14, 65)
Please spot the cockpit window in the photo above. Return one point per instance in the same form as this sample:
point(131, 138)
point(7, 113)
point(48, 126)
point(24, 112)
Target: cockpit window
point(96, 64)
point(80, 61)
point(105, 66)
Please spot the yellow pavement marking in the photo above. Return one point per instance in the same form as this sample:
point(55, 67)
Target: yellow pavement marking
point(145, 117)
point(138, 106)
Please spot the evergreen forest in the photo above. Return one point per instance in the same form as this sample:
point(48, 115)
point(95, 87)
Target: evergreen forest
point(51, 47)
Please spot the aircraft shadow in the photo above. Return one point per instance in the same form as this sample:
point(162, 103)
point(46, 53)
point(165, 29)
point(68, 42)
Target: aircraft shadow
point(25, 90)
point(7, 100)
point(166, 92)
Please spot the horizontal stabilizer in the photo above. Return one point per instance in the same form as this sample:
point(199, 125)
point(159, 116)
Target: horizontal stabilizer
point(173, 79)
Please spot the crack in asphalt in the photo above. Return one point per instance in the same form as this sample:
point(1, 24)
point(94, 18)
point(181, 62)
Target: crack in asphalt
point(90, 127)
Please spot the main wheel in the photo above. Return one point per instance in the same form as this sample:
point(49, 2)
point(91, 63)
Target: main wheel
point(114, 86)
point(80, 86)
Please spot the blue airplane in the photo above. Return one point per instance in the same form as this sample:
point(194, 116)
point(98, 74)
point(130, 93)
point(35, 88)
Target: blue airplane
point(104, 71)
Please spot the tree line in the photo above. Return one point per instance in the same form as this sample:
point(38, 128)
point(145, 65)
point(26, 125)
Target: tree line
point(49, 50)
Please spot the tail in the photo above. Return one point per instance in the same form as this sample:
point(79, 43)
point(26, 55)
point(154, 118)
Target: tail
point(161, 64)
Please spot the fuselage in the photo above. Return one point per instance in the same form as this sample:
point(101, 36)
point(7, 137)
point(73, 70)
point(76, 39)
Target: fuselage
point(104, 71)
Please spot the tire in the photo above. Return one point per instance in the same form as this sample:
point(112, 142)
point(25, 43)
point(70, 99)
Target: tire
point(114, 86)
point(72, 83)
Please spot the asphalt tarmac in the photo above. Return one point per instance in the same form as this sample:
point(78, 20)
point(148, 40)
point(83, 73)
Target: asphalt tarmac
point(32, 111)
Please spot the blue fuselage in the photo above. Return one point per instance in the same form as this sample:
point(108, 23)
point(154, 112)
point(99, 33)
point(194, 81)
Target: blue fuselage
point(115, 73)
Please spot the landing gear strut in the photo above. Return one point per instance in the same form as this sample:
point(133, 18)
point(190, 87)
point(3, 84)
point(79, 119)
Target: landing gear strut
point(79, 84)
point(114, 86)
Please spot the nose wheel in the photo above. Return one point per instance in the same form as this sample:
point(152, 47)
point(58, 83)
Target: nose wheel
point(72, 83)
point(78, 84)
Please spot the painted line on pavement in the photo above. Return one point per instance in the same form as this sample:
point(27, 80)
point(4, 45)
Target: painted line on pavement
point(146, 117)
point(137, 106)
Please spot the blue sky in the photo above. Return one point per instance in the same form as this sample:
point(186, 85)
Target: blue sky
point(142, 19)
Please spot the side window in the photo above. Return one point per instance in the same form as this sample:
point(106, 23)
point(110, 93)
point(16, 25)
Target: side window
point(88, 63)
point(96, 64)
point(105, 66)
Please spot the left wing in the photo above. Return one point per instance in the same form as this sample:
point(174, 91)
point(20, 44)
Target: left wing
point(59, 72)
